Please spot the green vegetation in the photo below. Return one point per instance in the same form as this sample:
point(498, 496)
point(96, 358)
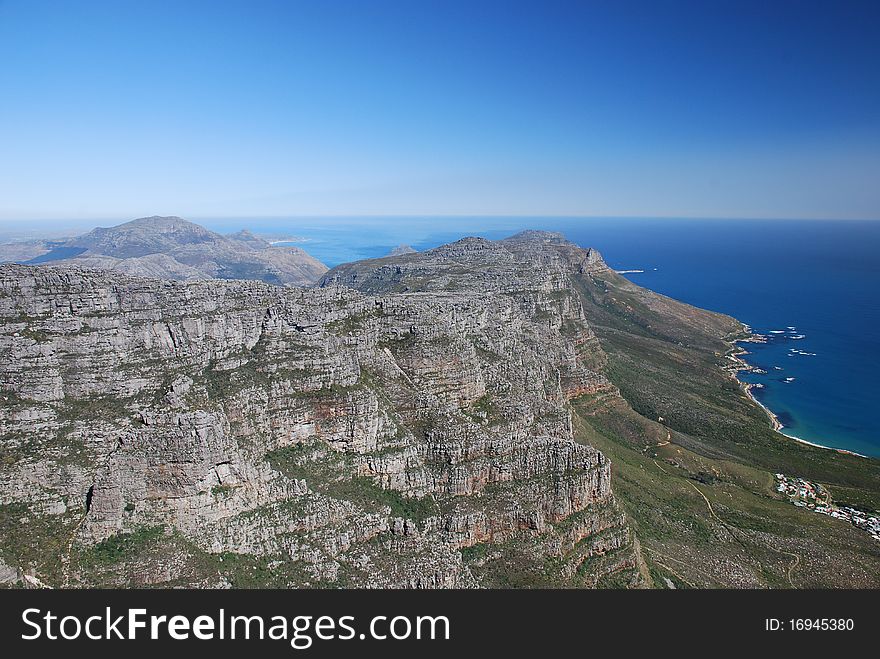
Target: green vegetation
point(484, 410)
point(353, 323)
point(245, 571)
point(512, 565)
point(698, 487)
point(325, 471)
point(523, 563)
point(123, 546)
point(137, 559)
point(222, 490)
point(399, 342)
point(93, 408)
point(364, 492)
point(311, 460)
point(32, 540)
point(225, 384)
point(672, 371)
point(38, 335)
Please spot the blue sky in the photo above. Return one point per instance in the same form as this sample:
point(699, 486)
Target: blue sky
point(702, 109)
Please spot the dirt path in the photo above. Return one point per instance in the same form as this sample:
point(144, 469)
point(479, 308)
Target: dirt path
point(796, 557)
point(794, 564)
point(708, 503)
point(654, 552)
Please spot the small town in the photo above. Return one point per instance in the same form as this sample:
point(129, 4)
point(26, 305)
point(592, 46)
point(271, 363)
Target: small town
point(807, 494)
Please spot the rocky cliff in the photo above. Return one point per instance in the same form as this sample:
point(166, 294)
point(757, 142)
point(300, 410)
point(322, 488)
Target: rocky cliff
point(407, 423)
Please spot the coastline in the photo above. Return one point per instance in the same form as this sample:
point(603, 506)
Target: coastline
point(735, 355)
point(776, 424)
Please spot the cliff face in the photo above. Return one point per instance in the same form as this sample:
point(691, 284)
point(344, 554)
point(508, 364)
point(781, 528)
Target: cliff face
point(407, 423)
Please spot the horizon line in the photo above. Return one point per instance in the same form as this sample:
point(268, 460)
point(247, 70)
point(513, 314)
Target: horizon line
point(501, 216)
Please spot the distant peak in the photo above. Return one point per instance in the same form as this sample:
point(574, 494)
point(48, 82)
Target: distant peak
point(160, 219)
point(245, 236)
point(162, 224)
point(533, 235)
point(143, 236)
point(401, 250)
point(470, 243)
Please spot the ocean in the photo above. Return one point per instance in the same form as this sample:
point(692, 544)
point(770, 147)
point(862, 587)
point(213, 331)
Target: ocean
point(812, 287)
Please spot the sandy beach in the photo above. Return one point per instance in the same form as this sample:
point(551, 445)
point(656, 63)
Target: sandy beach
point(735, 355)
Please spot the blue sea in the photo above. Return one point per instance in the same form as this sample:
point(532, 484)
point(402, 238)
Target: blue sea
point(812, 287)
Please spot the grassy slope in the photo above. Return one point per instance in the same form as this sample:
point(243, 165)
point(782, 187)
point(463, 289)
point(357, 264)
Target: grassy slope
point(665, 357)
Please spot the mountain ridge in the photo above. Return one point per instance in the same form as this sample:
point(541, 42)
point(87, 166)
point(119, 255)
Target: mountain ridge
point(487, 413)
point(177, 249)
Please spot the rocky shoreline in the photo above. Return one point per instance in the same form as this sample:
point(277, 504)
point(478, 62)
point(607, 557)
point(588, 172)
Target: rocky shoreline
point(739, 365)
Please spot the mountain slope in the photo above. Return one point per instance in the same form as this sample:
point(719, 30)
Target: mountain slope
point(173, 248)
point(507, 413)
point(245, 434)
point(693, 456)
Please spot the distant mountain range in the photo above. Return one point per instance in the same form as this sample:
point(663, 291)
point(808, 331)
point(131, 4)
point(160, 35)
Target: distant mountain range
point(172, 248)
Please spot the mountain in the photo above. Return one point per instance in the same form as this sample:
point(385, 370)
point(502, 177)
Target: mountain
point(487, 413)
point(144, 236)
point(173, 248)
point(400, 250)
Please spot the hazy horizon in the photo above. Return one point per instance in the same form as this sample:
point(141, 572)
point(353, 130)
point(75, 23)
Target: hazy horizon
point(267, 224)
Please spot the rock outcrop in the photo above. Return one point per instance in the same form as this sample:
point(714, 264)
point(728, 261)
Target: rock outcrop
point(406, 423)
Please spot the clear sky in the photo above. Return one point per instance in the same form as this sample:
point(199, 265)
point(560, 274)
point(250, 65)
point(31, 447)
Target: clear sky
point(709, 109)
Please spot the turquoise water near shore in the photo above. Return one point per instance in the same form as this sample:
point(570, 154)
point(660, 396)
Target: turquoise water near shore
point(812, 287)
